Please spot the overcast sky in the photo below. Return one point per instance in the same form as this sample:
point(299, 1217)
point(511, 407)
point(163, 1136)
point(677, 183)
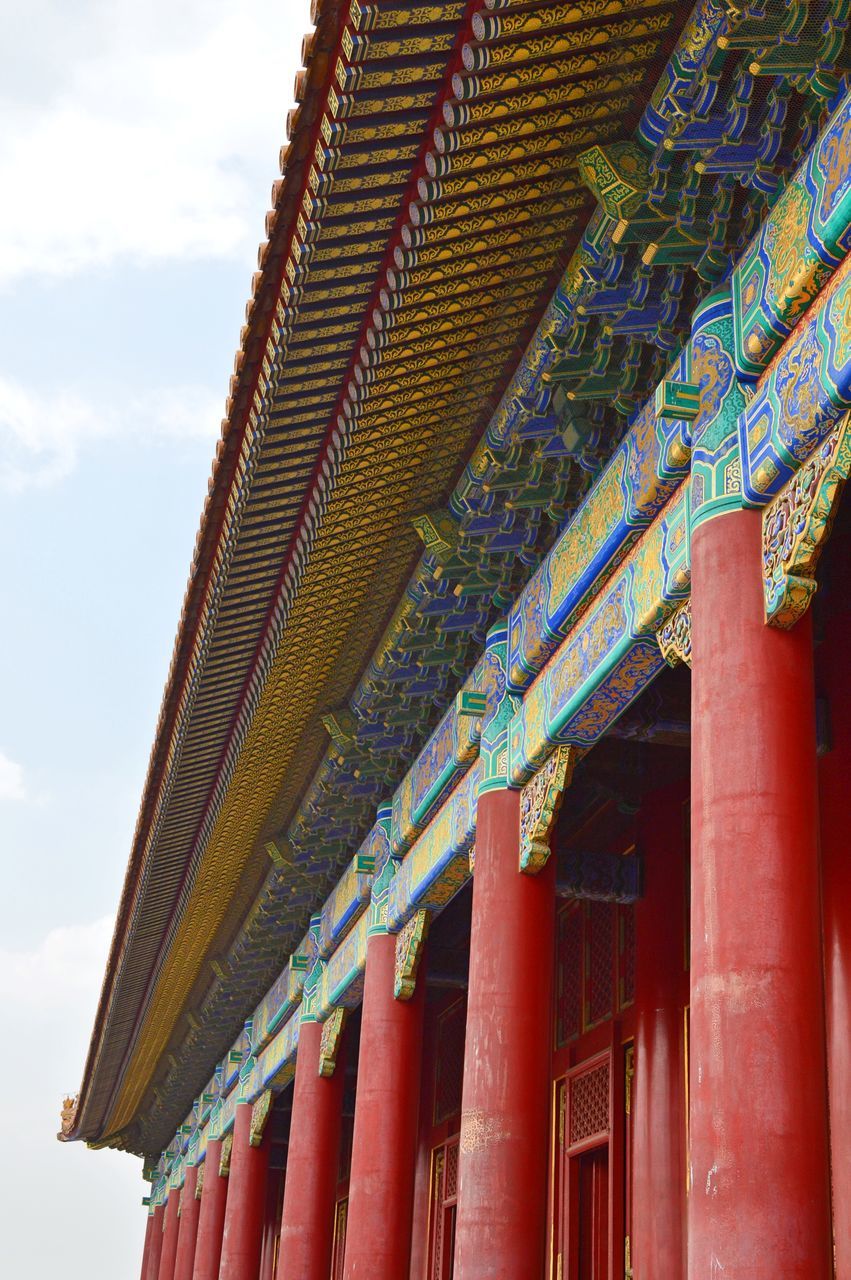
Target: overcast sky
point(138, 144)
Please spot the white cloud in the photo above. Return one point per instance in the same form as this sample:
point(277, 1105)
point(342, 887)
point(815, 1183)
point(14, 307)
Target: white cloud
point(136, 127)
point(42, 433)
point(62, 971)
point(12, 784)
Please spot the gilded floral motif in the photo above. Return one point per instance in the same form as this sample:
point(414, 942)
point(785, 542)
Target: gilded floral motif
point(540, 801)
point(796, 525)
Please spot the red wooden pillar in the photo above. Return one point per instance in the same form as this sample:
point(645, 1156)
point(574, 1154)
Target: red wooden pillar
point(834, 776)
point(271, 1224)
point(381, 1183)
point(658, 1234)
point(422, 1175)
point(211, 1216)
point(186, 1237)
point(759, 1196)
point(307, 1224)
point(502, 1199)
point(242, 1237)
point(156, 1249)
point(170, 1229)
point(146, 1251)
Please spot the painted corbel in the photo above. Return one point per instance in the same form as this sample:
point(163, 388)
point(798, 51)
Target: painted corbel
point(540, 801)
point(409, 949)
point(797, 523)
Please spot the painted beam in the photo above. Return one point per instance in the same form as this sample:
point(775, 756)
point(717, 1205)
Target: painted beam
point(438, 864)
point(645, 470)
point(799, 246)
point(611, 655)
point(348, 899)
point(449, 752)
point(801, 396)
point(340, 979)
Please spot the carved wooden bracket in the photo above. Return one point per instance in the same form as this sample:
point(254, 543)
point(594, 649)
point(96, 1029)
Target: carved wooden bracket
point(439, 534)
point(409, 950)
point(675, 400)
point(540, 801)
point(674, 638)
point(332, 1033)
point(259, 1115)
point(224, 1162)
point(199, 1184)
point(797, 524)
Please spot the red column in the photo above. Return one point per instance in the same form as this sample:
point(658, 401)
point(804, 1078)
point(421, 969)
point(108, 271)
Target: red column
point(834, 775)
point(658, 1097)
point(502, 1201)
point(211, 1217)
point(381, 1184)
point(170, 1229)
point(271, 1225)
point(189, 1210)
point(242, 1238)
point(146, 1252)
point(758, 1126)
point(422, 1175)
point(307, 1225)
point(156, 1249)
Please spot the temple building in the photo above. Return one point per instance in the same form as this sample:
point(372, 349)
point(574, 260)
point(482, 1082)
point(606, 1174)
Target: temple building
point(488, 914)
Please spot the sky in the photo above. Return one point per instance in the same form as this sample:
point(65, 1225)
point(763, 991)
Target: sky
point(138, 145)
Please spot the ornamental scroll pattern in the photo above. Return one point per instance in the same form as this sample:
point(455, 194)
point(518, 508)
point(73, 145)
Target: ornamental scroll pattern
point(409, 950)
point(259, 1116)
point(796, 525)
point(332, 1034)
point(675, 637)
point(540, 801)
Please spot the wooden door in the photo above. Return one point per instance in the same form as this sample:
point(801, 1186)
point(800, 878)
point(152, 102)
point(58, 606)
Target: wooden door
point(593, 1214)
point(444, 1208)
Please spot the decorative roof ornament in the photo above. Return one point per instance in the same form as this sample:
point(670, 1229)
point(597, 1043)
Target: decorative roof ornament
point(68, 1117)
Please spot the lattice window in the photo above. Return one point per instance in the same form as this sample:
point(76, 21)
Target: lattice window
point(599, 962)
point(444, 1201)
point(569, 974)
point(449, 1072)
point(437, 1215)
point(341, 1215)
point(626, 993)
point(451, 1184)
point(588, 1104)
